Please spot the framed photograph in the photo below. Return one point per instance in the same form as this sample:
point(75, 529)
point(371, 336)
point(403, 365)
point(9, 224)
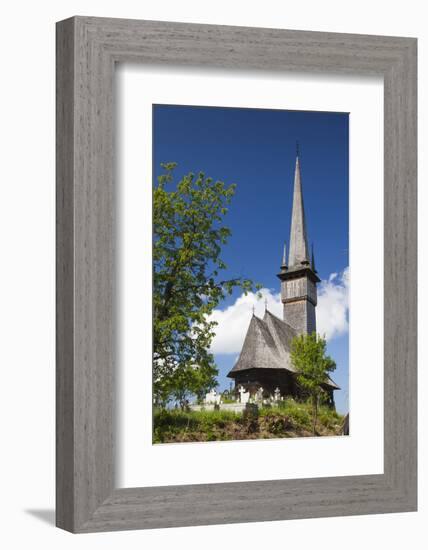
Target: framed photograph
point(233, 358)
point(236, 274)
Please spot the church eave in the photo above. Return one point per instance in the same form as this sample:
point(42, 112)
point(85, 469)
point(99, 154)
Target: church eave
point(234, 372)
point(329, 384)
point(299, 271)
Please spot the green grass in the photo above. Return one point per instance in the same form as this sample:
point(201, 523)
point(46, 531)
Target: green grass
point(171, 424)
point(228, 400)
point(289, 419)
point(300, 414)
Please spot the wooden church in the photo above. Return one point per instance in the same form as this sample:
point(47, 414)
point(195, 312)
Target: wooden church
point(264, 361)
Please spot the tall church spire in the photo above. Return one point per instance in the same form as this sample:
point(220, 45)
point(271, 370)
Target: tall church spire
point(299, 253)
point(299, 279)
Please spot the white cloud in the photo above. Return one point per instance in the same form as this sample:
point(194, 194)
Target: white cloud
point(333, 304)
point(234, 320)
point(332, 313)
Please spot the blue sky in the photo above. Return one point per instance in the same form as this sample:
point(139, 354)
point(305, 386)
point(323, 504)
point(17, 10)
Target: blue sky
point(256, 149)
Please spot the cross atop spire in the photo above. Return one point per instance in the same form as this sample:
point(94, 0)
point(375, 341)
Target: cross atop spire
point(299, 253)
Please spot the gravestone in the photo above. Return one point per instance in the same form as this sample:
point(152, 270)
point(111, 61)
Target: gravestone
point(244, 396)
point(259, 394)
point(212, 398)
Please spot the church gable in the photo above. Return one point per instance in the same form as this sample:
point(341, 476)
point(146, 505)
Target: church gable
point(265, 346)
point(282, 334)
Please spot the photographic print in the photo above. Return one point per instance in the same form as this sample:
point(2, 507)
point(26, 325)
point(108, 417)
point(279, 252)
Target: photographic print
point(250, 274)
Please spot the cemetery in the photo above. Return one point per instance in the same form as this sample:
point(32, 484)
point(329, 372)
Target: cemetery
point(224, 417)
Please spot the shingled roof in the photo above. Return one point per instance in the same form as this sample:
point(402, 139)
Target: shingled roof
point(267, 346)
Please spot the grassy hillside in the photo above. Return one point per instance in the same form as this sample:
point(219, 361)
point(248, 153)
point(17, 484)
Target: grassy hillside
point(291, 419)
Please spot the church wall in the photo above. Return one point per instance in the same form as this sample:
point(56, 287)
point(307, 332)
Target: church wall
point(300, 314)
point(294, 288)
point(311, 318)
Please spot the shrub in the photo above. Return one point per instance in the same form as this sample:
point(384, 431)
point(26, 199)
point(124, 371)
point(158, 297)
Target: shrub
point(329, 418)
point(275, 423)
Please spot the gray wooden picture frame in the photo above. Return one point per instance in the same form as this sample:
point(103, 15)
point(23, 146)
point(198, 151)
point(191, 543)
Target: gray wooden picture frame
point(87, 50)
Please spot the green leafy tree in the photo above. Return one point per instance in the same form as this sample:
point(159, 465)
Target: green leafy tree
point(189, 233)
point(190, 380)
point(308, 356)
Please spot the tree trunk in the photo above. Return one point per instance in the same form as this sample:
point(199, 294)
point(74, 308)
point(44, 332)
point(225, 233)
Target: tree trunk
point(314, 413)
